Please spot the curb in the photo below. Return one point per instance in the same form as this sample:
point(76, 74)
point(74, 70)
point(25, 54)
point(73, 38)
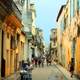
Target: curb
point(61, 71)
point(57, 65)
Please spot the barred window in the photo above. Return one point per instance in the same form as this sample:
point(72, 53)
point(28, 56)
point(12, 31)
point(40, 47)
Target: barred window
point(8, 35)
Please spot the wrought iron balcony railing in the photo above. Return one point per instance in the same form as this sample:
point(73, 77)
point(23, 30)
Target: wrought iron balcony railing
point(16, 11)
point(7, 7)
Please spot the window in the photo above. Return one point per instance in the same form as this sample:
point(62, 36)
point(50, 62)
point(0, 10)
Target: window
point(12, 42)
point(66, 22)
point(73, 47)
point(62, 24)
point(8, 35)
point(16, 62)
point(18, 38)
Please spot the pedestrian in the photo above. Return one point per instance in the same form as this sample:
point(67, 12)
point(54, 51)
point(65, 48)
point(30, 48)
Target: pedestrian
point(72, 67)
point(33, 62)
point(42, 61)
point(28, 62)
point(47, 61)
point(69, 66)
point(36, 61)
point(39, 62)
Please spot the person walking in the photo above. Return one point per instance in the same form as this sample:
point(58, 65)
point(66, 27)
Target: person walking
point(47, 61)
point(72, 67)
point(36, 61)
point(42, 61)
point(39, 62)
point(33, 62)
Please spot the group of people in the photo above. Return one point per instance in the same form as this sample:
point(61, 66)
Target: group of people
point(38, 61)
point(49, 61)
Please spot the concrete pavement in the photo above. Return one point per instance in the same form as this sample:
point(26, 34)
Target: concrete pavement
point(41, 73)
point(54, 72)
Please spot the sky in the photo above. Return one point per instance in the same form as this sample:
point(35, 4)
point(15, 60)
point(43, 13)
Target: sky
point(47, 11)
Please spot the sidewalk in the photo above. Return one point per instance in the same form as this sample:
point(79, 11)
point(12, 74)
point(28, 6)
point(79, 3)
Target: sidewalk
point(14, 76)
point(65, 72)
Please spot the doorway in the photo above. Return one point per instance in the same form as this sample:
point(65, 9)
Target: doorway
point(2, 58)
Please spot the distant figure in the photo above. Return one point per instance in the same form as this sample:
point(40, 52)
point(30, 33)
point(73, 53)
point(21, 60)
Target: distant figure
point(72, 67)
point(36, 61)
point(39, 62)
point(48, 61)
point(42, 61)
point(69, 66)
point(28, 62)
point(33, 62)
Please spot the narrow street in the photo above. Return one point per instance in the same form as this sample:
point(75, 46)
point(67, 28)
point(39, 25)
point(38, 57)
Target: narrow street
point(51, 73)
point(39, 32)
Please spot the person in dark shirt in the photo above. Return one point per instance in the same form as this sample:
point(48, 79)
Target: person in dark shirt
point(72, 67)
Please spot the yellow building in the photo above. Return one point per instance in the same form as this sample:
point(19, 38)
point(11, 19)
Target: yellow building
point(10, 38)
point(74, 34)
point(66, 35)
point(60, 38)
point(71, 33)
point(63, 30)
point(53, 44)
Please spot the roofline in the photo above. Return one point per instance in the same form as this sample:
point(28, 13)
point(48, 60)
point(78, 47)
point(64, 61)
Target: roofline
point(54, 29)
point(60, 11)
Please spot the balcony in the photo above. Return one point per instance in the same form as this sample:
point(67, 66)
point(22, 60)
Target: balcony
point(7, 7)
point(16, 11)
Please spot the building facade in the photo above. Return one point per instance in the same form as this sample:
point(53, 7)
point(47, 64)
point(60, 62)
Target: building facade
point(70, 35)
point(53, 44)
point(28, 20)
point(60, 29)
point(39, 42)
point(9, 38)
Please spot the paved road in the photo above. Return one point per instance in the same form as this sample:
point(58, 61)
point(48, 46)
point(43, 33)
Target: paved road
point(49, 73)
